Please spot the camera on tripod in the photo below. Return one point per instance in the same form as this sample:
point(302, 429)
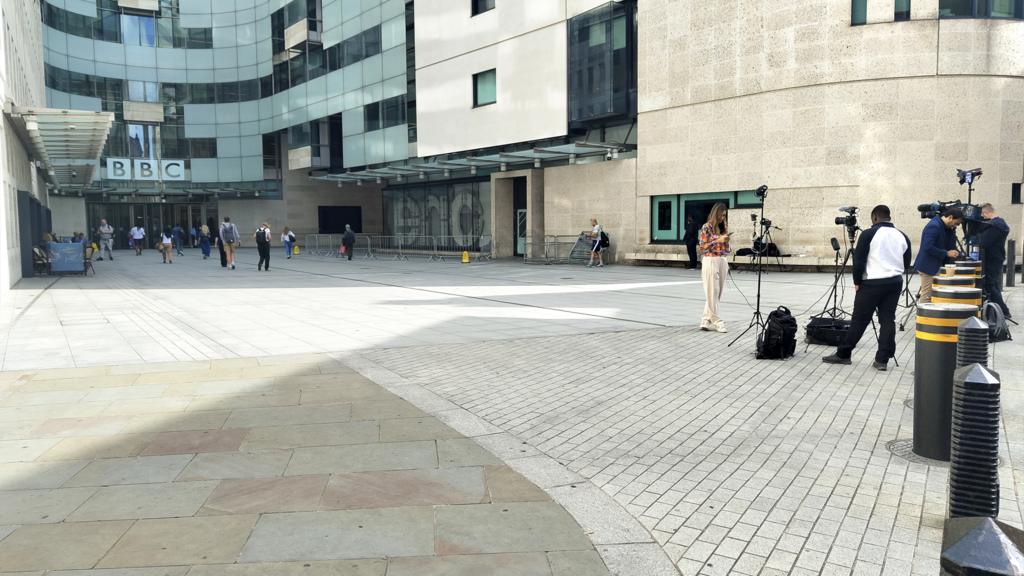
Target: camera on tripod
point(850, 220)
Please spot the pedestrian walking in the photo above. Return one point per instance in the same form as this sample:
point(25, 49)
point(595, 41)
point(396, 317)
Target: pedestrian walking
point(204, 240)
point(106, 234)
point(691, 238)
point(178, 233)
point(348, 240)
point(167, 245)
point(595, 246)
point(262, 237)
point(138, 235)
point(714, 247)
point(288, 240)
point(881, 256)
point(229, 239)
point(195, 234)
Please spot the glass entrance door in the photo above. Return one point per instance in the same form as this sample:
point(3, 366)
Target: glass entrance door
point(520, 232)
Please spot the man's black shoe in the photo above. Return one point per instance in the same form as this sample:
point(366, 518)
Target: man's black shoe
point(835, 359)
point(880, 366)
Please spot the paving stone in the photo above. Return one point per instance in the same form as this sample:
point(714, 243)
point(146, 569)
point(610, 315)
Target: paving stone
point(363, 458)
point(41, 506)
point(384, 409)
point(288, 416)
point(191, 442)
point(37, 475)
point(202, 540)
point(372, 533)
point(577, 563)
point(423, 428)
point(215, 466)
point(263, 495)
point(405, 488)
point(144, 501)
point(157, 571)
point(77, 545)
point(506, 527)
point(96, 447)
point(140, 470)
point(463, 452)
point(535, 564)
point(286, 437)
point(24, 450)
point(507, 485)
point(329, 568)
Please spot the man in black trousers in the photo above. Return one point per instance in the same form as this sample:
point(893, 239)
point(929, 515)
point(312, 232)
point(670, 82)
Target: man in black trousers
point(691, 237)
point(992, 241)
point(881, 256)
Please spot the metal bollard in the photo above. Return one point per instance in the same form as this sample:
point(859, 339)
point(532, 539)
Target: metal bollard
point(1011, 263)
point(934, 364)
point(974, 460)
point(981, 546)
point(972, 342)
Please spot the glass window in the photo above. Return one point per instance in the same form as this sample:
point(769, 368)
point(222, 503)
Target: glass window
point(199, 38)
point(141, 141)
point(981, 9)
point(281, 77)
point(248, 90)
point(371, 116)
point(297, 69)
point(203, 147)
point(226, 92)
point(267, 86)
point(352, 50)
point(298, 136)
point(902, 10)
point(1007, 9)
point(201, 93)
point(107, 27)
point(139, 91)
point(481, 6)
point(665, 218)
point(117, 145)
point(860, 13)
point(173, 143)
point(315, 62)
point(371, 42)
point(138, 30)
point(485, 88)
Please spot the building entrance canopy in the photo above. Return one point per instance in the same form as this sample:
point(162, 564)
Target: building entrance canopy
point(67, 143)
point(502, 161)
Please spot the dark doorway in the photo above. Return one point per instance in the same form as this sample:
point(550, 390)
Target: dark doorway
point(519, 223)
point(34, 220)
point(334, 218)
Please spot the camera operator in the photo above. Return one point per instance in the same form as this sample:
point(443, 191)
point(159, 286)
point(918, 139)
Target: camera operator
point(992, 241)
point(881, 256)
point(938, 242)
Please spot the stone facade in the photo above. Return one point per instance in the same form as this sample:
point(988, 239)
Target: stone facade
point(734, 95)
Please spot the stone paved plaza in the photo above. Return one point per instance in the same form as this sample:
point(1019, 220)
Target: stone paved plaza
point(547, 420)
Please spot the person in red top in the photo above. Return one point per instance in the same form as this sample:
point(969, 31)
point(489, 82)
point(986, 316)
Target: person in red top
point(714, 246)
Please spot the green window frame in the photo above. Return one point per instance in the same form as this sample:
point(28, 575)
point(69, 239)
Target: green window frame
point(902, 11)
point(665, 225)
point(859, 13)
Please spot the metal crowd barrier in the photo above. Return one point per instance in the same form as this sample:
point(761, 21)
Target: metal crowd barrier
point(402, 246)
point(418, 246)
point(387, 247)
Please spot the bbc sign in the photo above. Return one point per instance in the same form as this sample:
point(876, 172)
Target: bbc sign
point(143, 169)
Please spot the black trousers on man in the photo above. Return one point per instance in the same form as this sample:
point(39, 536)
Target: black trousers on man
point(264, 250)
point(691, 251)
point(994, 287)
point(882, 297)
point(223, 254)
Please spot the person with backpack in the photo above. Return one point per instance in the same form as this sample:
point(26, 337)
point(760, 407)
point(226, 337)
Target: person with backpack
point(167, 245)
point(288, 240)
point(597, 237)
point(229, 238)
point(879, 260)
point(262, 237)
point(992, 241)
point(714, 248)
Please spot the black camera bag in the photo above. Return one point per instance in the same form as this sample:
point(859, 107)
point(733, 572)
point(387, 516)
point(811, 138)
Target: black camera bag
point(778, 340)
point(827, 331)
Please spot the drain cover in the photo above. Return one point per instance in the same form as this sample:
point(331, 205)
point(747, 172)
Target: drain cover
point(904, 448)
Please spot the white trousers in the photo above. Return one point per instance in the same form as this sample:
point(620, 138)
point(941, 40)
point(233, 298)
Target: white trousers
point(714, 270)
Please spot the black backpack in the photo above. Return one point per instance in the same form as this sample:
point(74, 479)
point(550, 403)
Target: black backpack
point(778, 340)
point(998, 328)
point(605, 242)
point(261, 236)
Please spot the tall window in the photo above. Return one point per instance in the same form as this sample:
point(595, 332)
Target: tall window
point(860, 13)
point(138, 30)
point(481, 6)
point(485, 88)
point(141, 141)
point(902, 10)
point(139, 91)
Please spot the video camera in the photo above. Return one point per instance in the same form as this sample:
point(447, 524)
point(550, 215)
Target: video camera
point(850, 220)
point(973, 221)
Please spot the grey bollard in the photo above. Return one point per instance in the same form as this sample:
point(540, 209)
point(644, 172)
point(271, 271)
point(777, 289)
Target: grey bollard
point(972, 342)
point(934, 363)
point(1011, 263)
point(974, 456)
point(981, 546)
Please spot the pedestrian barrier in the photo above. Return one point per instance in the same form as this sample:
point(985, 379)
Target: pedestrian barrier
point(387, 247)
point(452, 247)
point(404, 246)
point(422, 246)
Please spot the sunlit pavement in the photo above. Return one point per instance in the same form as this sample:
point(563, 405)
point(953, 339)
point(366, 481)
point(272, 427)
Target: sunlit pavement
point(593, 384)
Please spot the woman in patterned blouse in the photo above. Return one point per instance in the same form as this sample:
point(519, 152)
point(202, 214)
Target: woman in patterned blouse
point(714, 246)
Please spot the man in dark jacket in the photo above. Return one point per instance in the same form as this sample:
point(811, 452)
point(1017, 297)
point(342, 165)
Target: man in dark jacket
point(992, 242)
point(692, 232)
point(881, 256)
point(938, 242)
point(348, 240)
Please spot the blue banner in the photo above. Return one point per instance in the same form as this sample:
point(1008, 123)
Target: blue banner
point(67, 257)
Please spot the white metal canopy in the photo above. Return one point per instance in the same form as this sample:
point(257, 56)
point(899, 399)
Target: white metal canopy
point(68, 143)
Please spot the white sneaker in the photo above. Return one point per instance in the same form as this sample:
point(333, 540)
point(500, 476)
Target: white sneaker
point(704, 326)
point(600, 264)
point(720, 327)
point(590, 264)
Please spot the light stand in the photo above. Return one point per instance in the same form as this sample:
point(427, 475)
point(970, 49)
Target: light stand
point(909, 300)
point(757, 319)
point(833, 307)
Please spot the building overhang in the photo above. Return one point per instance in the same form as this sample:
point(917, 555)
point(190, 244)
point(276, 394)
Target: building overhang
point(66, 143)
point(468, 165)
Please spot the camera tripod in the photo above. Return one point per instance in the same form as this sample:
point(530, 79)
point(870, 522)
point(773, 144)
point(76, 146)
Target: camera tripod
point(757, 320)
point(909, 300)
point(833, 307)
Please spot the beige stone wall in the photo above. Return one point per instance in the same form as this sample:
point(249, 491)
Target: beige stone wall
point(733, 95)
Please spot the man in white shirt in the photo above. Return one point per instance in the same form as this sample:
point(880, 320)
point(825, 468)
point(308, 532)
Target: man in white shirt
point(138, 234)
point(881, 257)
point(595, 245)
point(106, 233)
